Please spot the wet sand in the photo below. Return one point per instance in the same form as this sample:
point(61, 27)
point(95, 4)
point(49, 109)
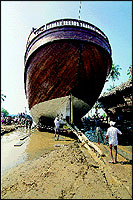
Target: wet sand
point(65, 169)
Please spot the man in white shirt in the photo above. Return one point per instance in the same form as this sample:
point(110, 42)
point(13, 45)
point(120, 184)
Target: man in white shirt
point(57, 126)
point(113, 139)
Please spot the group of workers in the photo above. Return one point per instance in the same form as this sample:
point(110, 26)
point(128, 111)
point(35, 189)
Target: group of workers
point(111, 135)
point(28, 123)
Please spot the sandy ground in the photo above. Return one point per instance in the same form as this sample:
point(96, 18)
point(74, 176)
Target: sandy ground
point(65, 169)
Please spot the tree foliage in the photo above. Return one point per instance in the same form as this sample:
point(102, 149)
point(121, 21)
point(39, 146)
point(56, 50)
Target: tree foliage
point(3, 96)
point(129, 71)
point(114, 74)
point(6, 113)
point(96, 106)
point(111, 88)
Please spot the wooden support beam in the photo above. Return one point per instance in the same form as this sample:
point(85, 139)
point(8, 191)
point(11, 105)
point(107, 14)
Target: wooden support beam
point(86, 142)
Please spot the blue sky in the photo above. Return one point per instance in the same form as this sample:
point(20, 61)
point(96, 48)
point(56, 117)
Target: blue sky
point(114, 18)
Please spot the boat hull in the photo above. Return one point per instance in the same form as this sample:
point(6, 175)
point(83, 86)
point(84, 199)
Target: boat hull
point(63, 61)
point(59, 106)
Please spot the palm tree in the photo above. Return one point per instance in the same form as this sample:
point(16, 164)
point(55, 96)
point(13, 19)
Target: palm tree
point(129, 71)
point(114, 74)
point(3, 97)
point(96, 106)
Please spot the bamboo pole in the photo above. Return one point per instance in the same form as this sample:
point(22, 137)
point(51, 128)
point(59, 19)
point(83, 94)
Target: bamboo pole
point(71, 109)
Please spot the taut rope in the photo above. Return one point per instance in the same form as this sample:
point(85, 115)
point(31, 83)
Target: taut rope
point(79, 9)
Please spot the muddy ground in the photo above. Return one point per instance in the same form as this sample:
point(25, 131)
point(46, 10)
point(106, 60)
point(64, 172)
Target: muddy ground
point(65, 169)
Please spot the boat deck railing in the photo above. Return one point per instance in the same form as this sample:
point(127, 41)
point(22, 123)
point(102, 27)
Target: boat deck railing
point(64, 22)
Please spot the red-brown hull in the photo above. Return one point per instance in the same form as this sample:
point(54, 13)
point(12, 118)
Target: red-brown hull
point(66, 66)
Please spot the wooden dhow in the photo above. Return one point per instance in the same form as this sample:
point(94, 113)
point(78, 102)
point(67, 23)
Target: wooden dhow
point(66, 65)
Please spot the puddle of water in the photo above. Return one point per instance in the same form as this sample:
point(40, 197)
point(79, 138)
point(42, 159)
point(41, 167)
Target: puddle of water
point(34, 146)
point(11, 155)
point(91, 135)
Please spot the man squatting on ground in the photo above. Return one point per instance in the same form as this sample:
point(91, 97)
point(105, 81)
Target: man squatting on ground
point(113, 140)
